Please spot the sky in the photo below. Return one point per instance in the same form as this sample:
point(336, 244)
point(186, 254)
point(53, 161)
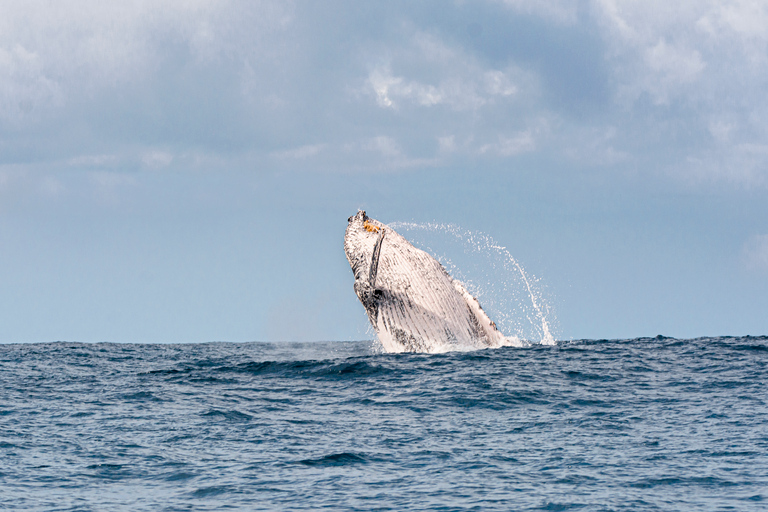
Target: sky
point(182, 171)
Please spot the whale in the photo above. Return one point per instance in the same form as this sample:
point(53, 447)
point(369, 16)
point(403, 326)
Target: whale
point(412, 302)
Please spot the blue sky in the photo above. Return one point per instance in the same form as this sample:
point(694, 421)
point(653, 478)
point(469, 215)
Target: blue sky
point(183, 171)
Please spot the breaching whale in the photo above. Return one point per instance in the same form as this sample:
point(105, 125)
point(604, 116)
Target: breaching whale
point(412, 302)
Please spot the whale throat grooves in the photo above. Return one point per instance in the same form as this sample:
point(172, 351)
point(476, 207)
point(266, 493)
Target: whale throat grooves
point(412, 302)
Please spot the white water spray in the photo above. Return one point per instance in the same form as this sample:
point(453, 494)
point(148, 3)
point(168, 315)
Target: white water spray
point(509, 305)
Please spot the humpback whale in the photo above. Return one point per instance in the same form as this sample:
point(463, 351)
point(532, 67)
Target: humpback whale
point(411, 301)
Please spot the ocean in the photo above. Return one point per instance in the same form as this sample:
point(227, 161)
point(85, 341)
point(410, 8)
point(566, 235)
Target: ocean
point(640, 424)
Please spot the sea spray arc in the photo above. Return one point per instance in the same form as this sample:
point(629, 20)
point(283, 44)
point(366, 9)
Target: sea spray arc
point(513, 279)
point(411, 301)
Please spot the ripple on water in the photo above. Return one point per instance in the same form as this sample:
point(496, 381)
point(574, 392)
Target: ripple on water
point(647, 424)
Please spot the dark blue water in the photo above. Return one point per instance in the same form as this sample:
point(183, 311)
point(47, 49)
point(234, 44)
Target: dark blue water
point(645, 424)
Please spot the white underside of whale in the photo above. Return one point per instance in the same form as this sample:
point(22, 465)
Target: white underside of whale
point(412, 302)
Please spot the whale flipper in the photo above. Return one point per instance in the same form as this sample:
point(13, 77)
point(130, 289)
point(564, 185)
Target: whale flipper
point(485, 324)
point(365, 286)
point(375, 261)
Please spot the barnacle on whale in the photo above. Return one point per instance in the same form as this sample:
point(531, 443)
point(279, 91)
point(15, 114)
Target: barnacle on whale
point(370, 227)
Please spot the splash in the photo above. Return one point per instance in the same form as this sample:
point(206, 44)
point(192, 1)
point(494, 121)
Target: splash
point(488, 270)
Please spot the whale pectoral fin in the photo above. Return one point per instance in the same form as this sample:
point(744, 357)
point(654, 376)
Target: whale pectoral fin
point(375, 261)
point(366, 289)
point(370, 298)
point(487, 328)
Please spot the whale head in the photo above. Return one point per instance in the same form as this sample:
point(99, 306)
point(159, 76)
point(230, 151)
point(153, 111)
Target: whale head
point(360, 240)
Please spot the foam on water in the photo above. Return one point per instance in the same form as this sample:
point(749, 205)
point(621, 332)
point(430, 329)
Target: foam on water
point(488, 270)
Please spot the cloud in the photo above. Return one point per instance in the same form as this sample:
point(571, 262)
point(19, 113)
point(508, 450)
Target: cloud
point(458, 80)
point(24, 88)
point(389, 155)
point(559, 11)
point(521, 142)
point(594, 146)
point(156, 159)
point(703, 66)
point(655, 47)
point(386, 146)
point(93, 161)
point(454, 92)
point(674, 86)
point(444, 102)
point(755, 253)
point(672, 67)
point(136, 71)
point(301, 152)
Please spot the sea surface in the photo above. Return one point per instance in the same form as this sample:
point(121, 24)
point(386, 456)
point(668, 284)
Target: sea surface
point(642, 424)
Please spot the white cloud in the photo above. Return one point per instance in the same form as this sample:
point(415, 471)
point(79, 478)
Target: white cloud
point(301, 152)
point(672, 67)
point(56, 53)
point(382, 153)
point(742, 166)
point(709, 61)
point(446, 144)
point(653, 46)
point(386, 146)
point(391, 91)
point(157, 159)
point(93, 161)
point(560, 11)
point(207, 79)
point(498, 83)
point(742, 23)
point(721, 130)
point(25, 90)
point(593, 146)
point(521, 142)
point(111, 180)
point(441, 79)
point(755, 252)
point(456, 78)
point(664, 47)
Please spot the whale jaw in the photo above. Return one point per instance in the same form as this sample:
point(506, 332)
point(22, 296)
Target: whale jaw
point(411, 301)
